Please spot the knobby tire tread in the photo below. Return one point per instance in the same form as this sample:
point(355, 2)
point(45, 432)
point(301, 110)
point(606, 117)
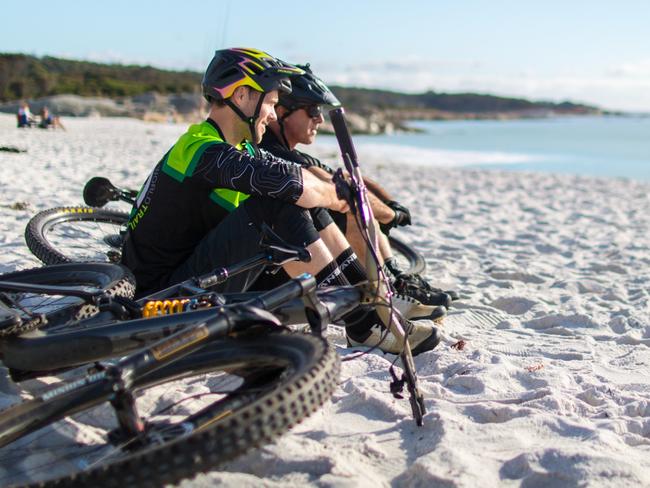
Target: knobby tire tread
point(36, 230)
point(114, 279)
point(416, 261)
point(256, 423)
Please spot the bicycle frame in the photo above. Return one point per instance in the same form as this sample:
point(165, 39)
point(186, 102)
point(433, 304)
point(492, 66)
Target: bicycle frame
point(46, 351)
point(113, 382)
point(377, 281)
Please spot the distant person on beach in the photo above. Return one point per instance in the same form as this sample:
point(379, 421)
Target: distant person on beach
point(48, 120)
point(300, 114)
point(24, 116)
point(205, 204)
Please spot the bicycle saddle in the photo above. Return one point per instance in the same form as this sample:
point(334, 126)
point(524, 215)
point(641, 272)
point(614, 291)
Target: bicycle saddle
point(99, 191)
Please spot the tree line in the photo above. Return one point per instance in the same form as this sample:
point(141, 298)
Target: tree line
point(28, 77)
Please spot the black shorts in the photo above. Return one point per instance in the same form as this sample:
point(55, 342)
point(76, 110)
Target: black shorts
point(237, 238)
point(271, 278)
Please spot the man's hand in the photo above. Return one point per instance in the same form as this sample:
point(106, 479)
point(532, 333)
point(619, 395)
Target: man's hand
point(402, 216)
point(319, 193)
point(340, 206)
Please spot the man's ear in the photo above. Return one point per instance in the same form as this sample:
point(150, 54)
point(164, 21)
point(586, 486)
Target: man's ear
point(280, 110)
point(240, 94)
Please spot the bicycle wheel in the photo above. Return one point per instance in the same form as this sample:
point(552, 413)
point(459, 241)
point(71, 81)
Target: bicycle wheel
point(243, 393)
point(26, 311)
point(409, 260)
point(76, 234)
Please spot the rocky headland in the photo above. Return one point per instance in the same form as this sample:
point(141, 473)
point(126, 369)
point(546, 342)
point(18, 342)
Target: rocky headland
point(84, 89)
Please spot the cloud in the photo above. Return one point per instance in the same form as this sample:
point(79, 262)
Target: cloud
point(624, 87)
point(632, 69)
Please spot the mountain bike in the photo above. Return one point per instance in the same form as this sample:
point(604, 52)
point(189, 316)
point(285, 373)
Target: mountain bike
point(94, 233)
point(278, 376)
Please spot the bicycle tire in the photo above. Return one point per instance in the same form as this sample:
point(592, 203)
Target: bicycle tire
point(99, 237)
point(291, 375)
point(411, 260)
point(76, 234)
point(36, 309)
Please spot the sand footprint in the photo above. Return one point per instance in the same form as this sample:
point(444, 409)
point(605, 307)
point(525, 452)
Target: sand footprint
point(514, 305)
point(495, 414)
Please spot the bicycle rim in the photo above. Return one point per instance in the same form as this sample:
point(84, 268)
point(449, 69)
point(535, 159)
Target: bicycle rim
point(76, 234)
point(235, 394)
point(36, 309)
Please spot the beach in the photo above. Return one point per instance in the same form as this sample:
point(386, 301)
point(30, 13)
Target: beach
point(543, 374)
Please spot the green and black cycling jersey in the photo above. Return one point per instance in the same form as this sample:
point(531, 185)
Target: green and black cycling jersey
point(190, 191)
point(271, 143)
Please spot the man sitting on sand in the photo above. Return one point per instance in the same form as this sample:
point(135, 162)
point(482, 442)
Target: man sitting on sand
point(204, 204)
point(299, 117)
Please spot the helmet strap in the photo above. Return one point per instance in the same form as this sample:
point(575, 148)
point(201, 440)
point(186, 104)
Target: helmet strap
point(250, 121)
point(281, 124)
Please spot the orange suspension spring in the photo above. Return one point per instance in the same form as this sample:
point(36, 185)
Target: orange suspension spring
point(156, 308)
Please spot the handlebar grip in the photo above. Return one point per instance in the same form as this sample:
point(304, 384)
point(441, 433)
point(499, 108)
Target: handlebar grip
point(343, 136)
point(294, 288)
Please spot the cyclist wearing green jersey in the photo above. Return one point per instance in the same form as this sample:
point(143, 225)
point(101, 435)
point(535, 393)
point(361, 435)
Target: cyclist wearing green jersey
point(205, 203)
point(299, 117)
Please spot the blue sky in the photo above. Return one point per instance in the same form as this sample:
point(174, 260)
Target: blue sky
point(585, 51)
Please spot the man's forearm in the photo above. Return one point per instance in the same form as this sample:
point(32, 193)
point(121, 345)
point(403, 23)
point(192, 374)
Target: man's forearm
point(319, 193)
point(320, 173)
point(382, 212)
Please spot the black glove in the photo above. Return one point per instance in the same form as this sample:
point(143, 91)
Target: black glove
point(402, 214)
point(402, 217)
point(343, 189)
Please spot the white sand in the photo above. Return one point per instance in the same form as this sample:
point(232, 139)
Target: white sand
point(553, 385)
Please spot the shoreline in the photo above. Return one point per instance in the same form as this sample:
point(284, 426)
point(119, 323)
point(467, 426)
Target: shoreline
point(397, 148)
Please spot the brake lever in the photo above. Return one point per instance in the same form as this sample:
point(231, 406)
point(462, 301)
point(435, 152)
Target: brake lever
point(279, 255)
point(280, 252)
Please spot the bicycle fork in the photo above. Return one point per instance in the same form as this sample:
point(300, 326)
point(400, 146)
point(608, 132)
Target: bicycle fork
point(130, 425)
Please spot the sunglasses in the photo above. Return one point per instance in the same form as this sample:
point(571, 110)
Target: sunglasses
point(313, 110)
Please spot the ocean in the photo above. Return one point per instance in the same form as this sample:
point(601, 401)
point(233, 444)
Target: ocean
point(609, 146)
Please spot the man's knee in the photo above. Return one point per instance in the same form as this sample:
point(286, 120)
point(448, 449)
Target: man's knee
point(291, 222)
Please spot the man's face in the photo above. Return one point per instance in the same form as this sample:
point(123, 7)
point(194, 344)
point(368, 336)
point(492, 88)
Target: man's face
point(300, 127)
point(267, 114)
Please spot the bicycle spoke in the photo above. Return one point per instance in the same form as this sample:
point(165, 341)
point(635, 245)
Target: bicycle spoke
point(35, 304)
point(81, 442)
point(84, 240)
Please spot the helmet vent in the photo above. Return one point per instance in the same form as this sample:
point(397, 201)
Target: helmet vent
point(229, 73)
point(253, 68)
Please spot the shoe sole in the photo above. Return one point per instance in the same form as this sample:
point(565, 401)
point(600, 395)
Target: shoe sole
point(427, 312)
point(428, 344)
